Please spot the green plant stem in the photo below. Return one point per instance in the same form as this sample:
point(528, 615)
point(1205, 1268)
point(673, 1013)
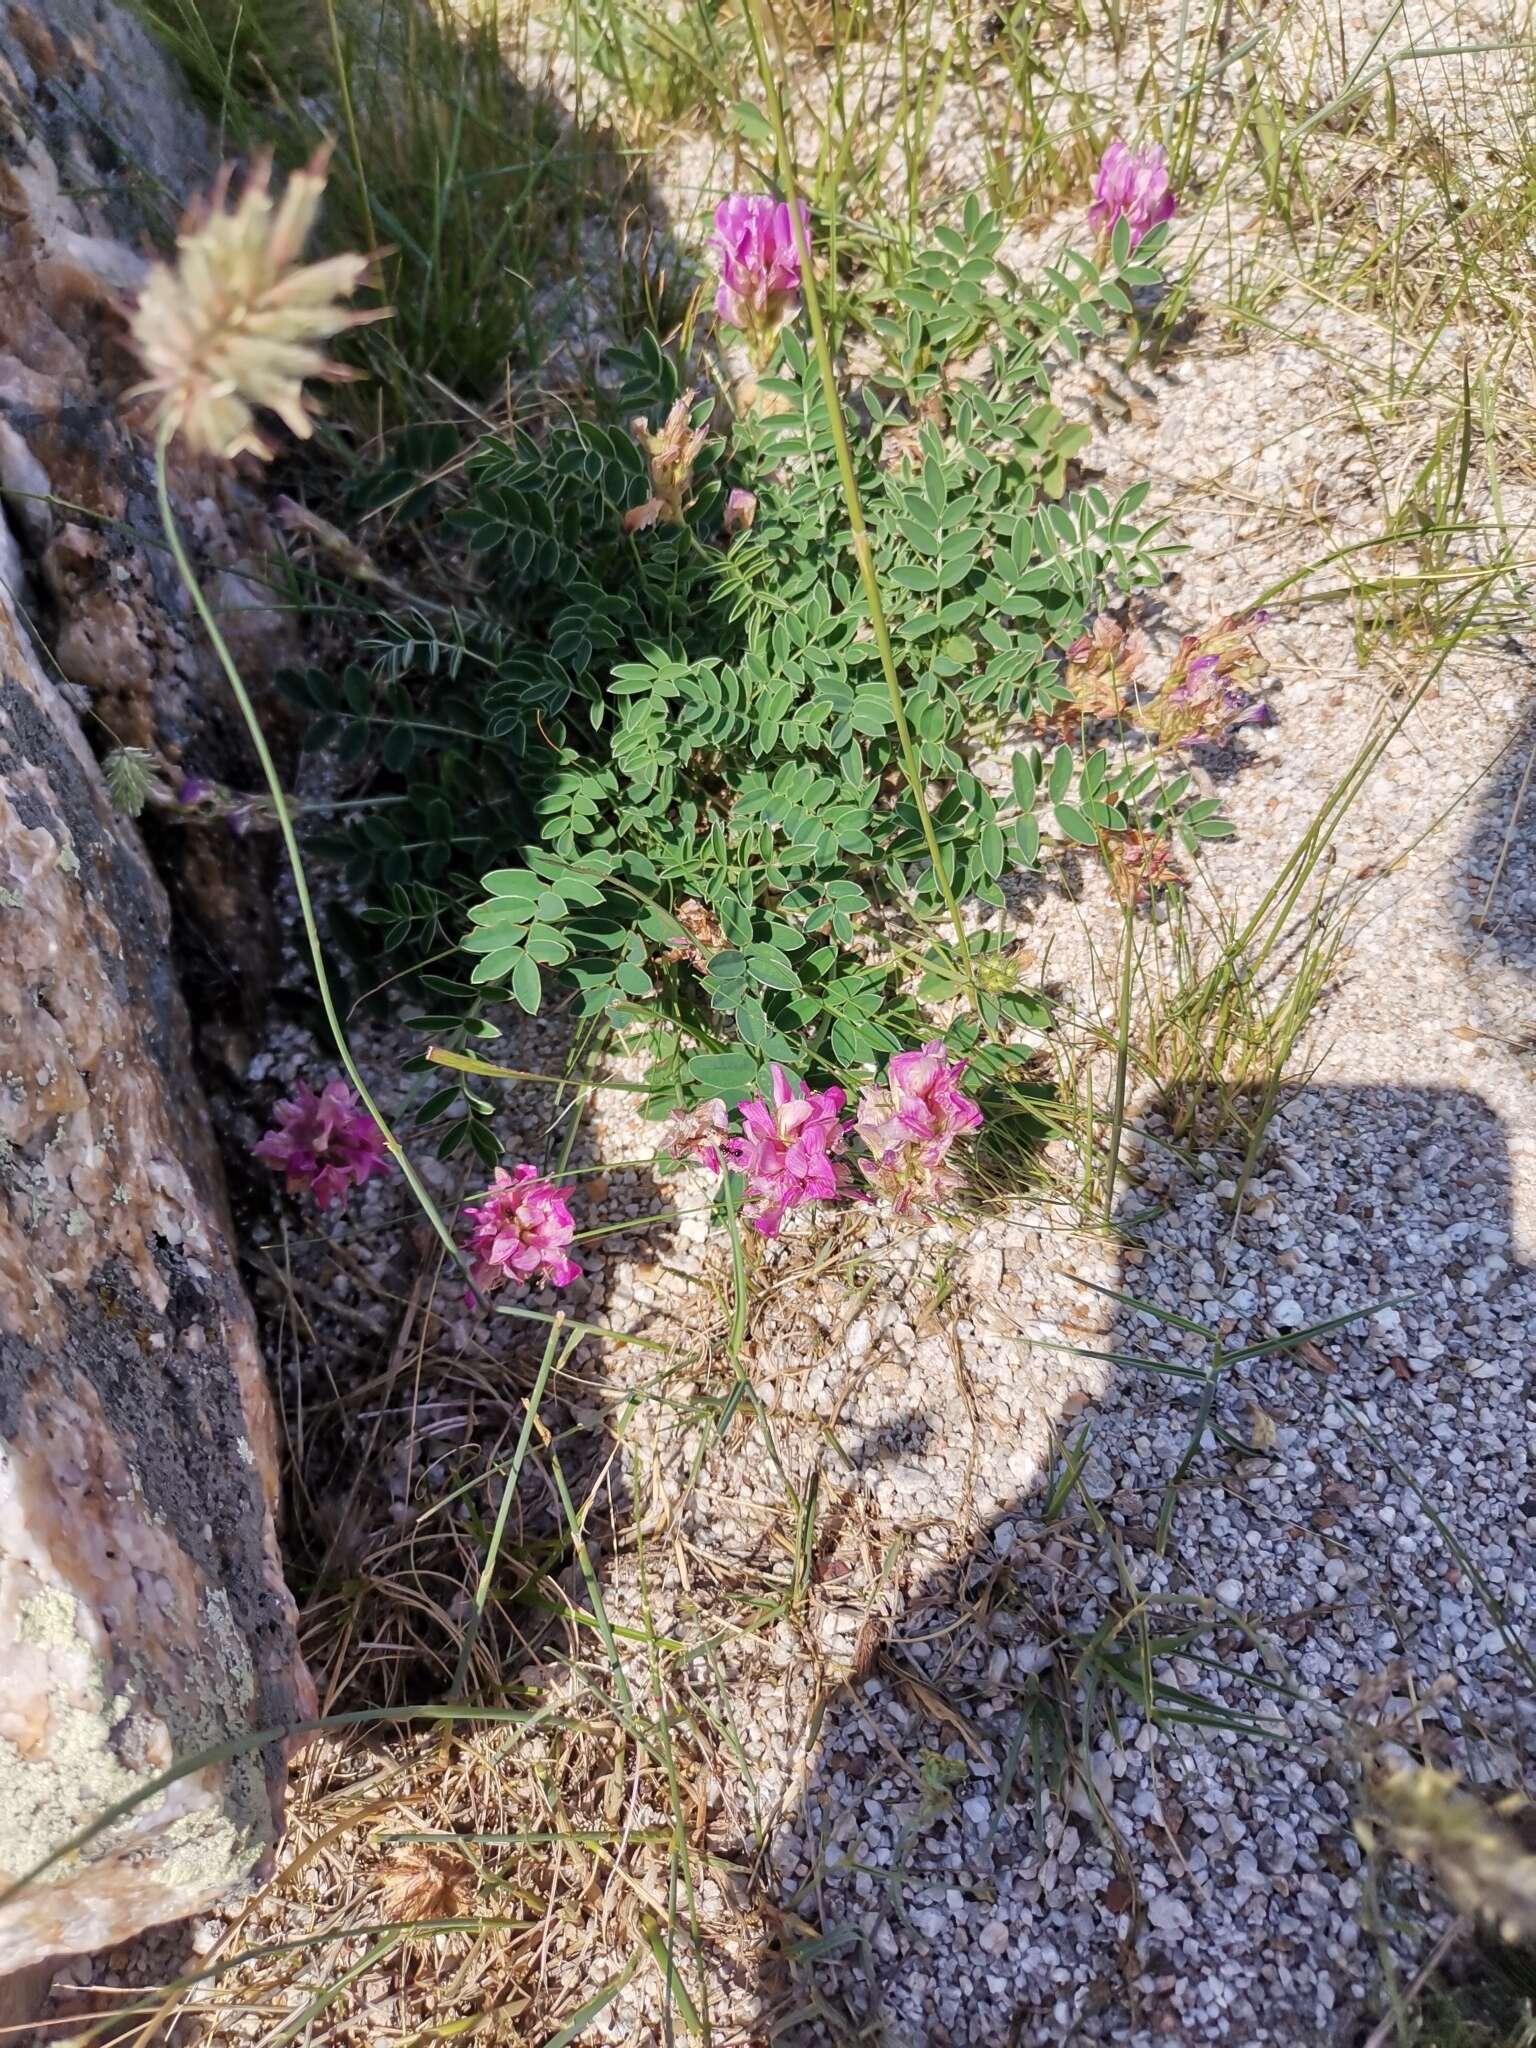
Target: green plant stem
point(295, 859)
point(858, 532)
point(344, 88)
point(1122, 1059)
point(498, 1533)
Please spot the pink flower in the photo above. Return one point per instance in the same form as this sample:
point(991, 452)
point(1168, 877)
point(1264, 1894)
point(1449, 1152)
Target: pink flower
point(327, 1143)
point(520, 1232)
point(740, 511)
point(698, 1133)
point(787, 1151)
point(920, 1105)
point(754, 240)
point(1140, 864)
point(1132, 185)
point(910, 1125)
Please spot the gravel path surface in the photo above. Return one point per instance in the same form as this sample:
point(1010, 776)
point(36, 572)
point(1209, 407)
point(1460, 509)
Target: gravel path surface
point(1338, 1520)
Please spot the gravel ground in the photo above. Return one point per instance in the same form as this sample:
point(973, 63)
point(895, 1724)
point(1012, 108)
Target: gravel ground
point(1201, 1884)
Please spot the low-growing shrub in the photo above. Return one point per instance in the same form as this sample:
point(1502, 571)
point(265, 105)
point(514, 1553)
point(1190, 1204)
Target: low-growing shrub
point(730, 704)
point(651, 757)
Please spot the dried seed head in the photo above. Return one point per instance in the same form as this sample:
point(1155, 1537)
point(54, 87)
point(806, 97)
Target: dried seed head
point(424, 1883)
point(234, 323)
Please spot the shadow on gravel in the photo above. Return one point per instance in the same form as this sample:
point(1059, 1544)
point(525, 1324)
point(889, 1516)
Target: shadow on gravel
point(1096, 1781)
point(1498, 906)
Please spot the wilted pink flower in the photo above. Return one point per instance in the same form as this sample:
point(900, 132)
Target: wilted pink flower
point(754, 240)
point(298, 520)
point(910, 1125)
point(327, 1143)
point(787, 1152)
point(671, 449)
point(740, 511)
point(1132, 185)
point(1140, 864)
point(908, 1182)
point(520, 1232)
point(1206, 695)
point(1100, 672)
point(698, 1133)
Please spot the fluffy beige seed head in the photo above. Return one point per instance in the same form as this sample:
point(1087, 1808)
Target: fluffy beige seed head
point(234, 323)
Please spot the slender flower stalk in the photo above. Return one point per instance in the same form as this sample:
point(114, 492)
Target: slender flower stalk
point(238, 268)
point(858, 532)
point(291, 846)
point(1128, 956)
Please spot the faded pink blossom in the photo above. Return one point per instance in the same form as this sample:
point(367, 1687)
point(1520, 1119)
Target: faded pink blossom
point(908, 1182)
point(671, 449)
point(327, 1143)
point(921, 1104)
point(1132, 185)
point(1206, 695)
point(1140, 864)
point(754, 240)
point(910, 1125)
point(698, 1133)
point(788, 1151)
point(740, 511)
point(1101, 670)
point(520, 1232)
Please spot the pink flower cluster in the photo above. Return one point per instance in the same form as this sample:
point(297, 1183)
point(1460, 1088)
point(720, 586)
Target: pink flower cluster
point(327, 1143)
point(788, 1151)
point(520, 1232)
point(790, 1147)
point(1132, 185)
point(910, 1125)
point(754, 241)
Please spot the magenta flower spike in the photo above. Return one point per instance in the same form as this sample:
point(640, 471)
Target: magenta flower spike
point(1132, 185)
point(327, 1143)
point(520, 1232)
point(788, 1152)
point(754, 242)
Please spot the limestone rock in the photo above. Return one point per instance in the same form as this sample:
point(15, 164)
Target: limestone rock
point(143, 1616)
point(93, 175)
